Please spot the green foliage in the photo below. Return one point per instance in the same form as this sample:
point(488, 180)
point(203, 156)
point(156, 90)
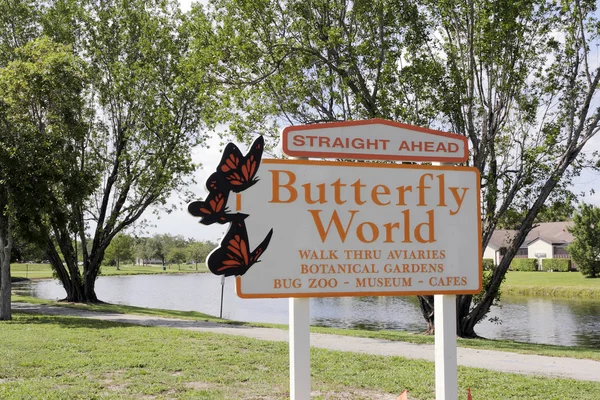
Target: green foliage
point(524, 264)
point(585, 248)
point(556, 264)
point(560, 207)
point(176, 255)
point(488, 267)
point(314, 61)
point(160, 245)
point(198, 251)
point(120, 249)
point(40, 107)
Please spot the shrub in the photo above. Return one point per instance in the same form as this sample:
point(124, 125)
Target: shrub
point(585, 249)
point(524, 264)
point(556, 264)
point(488, 264)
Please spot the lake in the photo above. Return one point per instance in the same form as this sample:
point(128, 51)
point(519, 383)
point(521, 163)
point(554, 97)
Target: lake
point(563, 322)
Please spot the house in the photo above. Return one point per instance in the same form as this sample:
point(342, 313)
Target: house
point(148, 261)
point(546, 240)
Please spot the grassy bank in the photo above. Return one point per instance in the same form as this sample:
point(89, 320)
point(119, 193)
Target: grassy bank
point(54, 357)
point(557, 284)
point(483, 344)
point(37, 271)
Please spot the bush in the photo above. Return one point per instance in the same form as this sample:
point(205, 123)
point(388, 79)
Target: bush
point(524, 264)
point(556, 264)
point(585, 247)
point(488, 264)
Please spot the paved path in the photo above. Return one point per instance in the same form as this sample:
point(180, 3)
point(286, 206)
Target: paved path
point(561, 367)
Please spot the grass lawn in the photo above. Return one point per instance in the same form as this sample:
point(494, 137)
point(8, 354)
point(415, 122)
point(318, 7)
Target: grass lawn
point(53, 357)
point(560, 284)
point(35, 271)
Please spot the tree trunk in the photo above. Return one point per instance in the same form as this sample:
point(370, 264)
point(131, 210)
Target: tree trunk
point(426, 303)
point(90, 274)
point(465, 326)
point(5, 289)
point(6, 242)
point(71, 284)
point(89, 287)
point(5, 283)
point(79, 288)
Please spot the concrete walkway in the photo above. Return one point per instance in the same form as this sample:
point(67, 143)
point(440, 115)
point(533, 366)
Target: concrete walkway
point(557, 367)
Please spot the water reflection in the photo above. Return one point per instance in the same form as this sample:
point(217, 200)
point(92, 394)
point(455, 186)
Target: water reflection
point(565, 322)
point(537, 320)
point(373, 313)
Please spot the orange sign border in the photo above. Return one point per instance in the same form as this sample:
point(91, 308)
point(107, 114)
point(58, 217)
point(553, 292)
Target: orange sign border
point(364, 156)
point(238, 280)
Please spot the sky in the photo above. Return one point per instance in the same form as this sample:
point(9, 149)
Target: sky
point(180, 222)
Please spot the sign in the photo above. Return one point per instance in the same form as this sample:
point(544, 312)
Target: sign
point(361, 229)
point(374, 139)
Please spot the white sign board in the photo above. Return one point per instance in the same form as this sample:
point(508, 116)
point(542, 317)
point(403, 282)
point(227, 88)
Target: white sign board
point(362, 229)
point(374, 139)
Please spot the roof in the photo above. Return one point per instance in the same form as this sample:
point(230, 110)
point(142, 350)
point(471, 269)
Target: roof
point(501, 238)
point(550, 232)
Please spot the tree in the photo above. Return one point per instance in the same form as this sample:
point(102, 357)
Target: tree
point(495, 72)
point(142, 250)
point(585, 249)
point(198, 251)
point(177, 256)
point(559, 208)
point(159, 245)
point(312, 61)
point(141, 125)
point(525, 100)
point(120, 249)
point(12, 36)
point(40, 108)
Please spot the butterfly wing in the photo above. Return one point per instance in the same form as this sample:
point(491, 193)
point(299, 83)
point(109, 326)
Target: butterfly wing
point(231, 160)
point(232, 257)
point(216, 182)
point(245, 175)
point(260, 249)
point(213, 209)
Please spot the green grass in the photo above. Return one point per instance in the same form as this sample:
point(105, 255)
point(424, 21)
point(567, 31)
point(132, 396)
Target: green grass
point(37, 271)
point(53, 357)
point(557, 284)
point(483, 344)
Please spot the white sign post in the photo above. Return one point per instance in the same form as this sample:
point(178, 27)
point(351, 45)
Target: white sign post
point(299, 343)
point(446, 378)
point(299, 326)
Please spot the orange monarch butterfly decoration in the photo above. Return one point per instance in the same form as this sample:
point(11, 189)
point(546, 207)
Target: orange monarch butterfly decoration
point(234, 257)
point(214, 209)
point(238, 171)
point(235, 173)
